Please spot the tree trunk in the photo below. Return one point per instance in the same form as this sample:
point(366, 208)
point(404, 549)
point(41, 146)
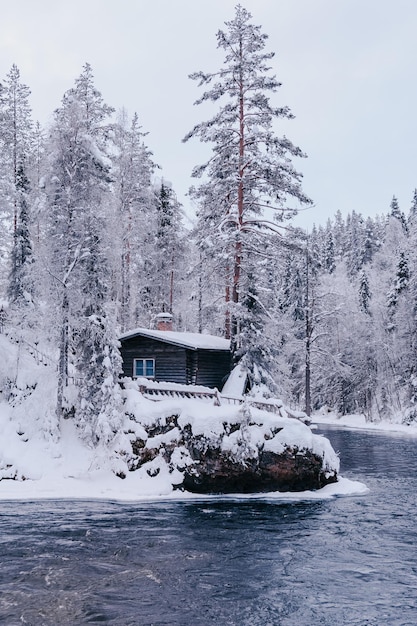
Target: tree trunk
point(63, 355)
point(237, 261)
point(309, 331)
point(227, 329)
point(308, 366)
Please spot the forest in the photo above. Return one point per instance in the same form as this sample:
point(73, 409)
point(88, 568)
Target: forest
point(93, 242)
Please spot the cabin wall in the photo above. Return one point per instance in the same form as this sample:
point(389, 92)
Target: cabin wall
point(170, 361)
point(177, 364)
point(213, 367)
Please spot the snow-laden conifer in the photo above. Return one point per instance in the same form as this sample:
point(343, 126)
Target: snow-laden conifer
point(163, 266)
point(16, 145)
point(80, 240)
point(21, 288)
point(134, 197)
point(250, 174)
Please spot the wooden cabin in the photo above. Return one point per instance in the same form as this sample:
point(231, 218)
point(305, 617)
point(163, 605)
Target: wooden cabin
point(177, 357)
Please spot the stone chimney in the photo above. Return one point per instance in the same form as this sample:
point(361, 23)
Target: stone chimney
point(164, 321)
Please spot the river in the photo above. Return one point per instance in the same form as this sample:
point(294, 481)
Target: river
point(346, 561)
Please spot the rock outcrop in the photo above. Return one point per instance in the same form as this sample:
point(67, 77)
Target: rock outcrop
point(216, 472)
point(241, 451)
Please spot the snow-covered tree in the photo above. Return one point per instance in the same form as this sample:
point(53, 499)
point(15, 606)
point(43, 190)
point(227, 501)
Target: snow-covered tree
point(163, 266)
point(80, 238)
point(168, 244)
point(364, 293)
point(250, 173)
point(16, 142)
point(396, 213)
point(329, 253)
point(400, 283)
point(134, 197)
point(21, 288)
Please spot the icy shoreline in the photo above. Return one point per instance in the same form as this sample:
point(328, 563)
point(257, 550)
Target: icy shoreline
point(106, 487)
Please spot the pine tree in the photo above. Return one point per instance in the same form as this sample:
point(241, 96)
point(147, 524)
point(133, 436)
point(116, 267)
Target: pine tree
point(250, 169)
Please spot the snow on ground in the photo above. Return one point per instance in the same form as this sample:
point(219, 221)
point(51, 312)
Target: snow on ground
point(40, 458)
point(360, 421)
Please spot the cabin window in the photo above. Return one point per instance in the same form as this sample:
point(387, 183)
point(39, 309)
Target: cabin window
point(144, 368)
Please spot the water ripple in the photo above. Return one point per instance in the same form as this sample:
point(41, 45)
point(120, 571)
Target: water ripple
point(348, 561)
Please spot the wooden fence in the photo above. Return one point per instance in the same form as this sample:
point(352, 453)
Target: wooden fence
point(161, 393)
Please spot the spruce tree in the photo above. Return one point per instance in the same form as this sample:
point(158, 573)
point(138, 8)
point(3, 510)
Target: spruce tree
point(329, 253)
point(133, 169)
point(169, 247)
point(80, 239)
point(16, 144)
point(396, 213)
point(20, 289)
point(364, 293)
point(412, 216)
point(401, 282)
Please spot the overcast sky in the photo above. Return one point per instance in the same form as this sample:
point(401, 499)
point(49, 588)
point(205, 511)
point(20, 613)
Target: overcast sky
point(347, 67)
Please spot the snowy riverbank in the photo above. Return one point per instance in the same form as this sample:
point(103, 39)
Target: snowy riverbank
point(42, 457)
point(65, 467)
point(359, 421)
point(69, 469)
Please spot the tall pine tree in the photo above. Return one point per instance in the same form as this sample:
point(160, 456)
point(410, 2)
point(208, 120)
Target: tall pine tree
point(250, 170)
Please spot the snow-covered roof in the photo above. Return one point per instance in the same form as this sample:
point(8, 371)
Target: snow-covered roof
point(194, 341)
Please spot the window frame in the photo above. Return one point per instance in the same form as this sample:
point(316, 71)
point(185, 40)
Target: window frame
point(144, 367)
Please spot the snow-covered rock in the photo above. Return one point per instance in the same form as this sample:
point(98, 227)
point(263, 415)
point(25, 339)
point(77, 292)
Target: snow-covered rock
point(227, 448)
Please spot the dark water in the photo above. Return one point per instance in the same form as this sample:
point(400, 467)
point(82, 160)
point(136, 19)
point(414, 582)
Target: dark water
point(347, 561)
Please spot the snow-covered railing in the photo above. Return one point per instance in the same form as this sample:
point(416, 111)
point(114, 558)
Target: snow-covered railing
point(155, 391)
point(272, 406)
point(177, 393)
point(160, 391)
point(39, 356)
